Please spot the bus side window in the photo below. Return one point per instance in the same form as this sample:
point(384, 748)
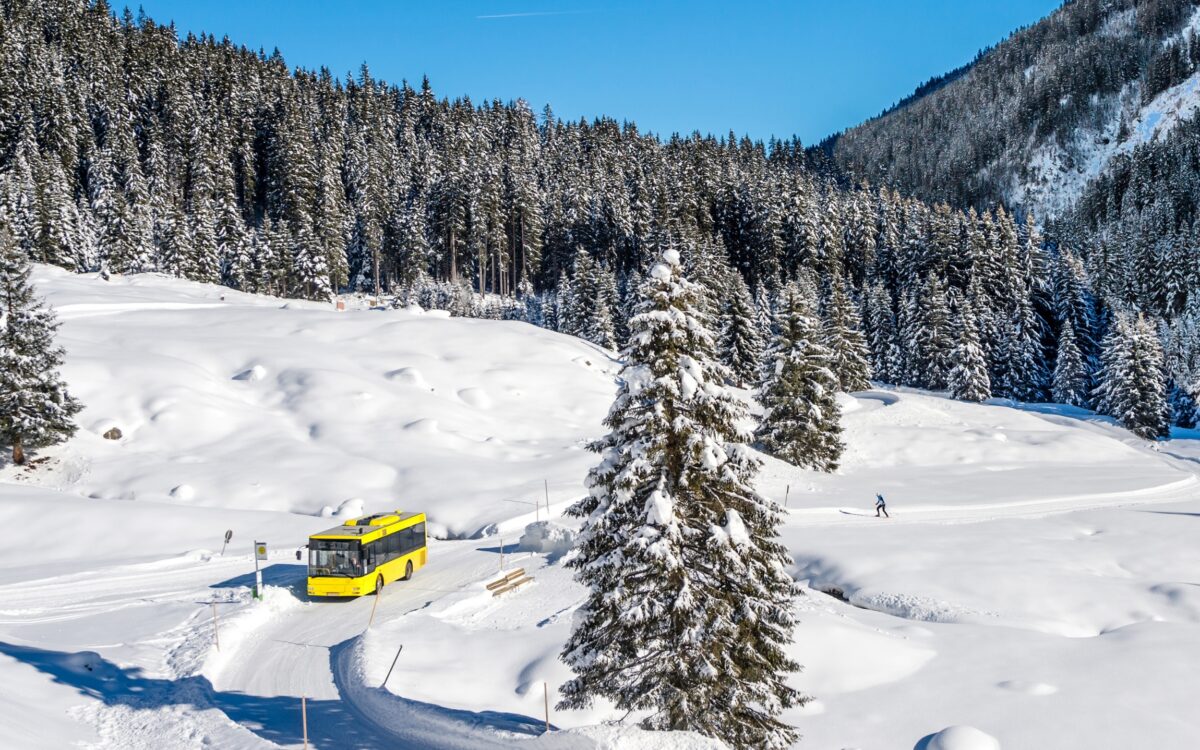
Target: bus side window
point(418, 536)
point(393, 542)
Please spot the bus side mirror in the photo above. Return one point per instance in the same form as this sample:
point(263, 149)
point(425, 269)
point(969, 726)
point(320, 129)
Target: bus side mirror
point(298, 555)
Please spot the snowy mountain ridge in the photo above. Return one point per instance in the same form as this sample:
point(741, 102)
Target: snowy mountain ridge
point(1062, 165)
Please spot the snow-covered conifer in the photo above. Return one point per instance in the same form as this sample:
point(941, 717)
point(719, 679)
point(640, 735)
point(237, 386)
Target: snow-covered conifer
point(689, 603)
point(801, 416)
point(1132, 385)
point(35, 409)
point(741, 342)
point(1070, 371)
point(968, 378)
point(844, 339)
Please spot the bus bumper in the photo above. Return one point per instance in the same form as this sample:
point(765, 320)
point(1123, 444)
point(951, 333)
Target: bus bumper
point(335, 587)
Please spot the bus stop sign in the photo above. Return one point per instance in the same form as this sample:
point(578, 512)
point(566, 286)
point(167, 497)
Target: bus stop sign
point(260, 550)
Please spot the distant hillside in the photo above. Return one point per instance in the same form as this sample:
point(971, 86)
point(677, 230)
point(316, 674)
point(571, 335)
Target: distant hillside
point(1033, 120)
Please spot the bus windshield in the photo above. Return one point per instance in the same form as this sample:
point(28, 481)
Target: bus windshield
point(333, 558)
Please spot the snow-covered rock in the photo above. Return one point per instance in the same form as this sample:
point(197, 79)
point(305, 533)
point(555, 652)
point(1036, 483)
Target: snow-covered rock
point(547, 538)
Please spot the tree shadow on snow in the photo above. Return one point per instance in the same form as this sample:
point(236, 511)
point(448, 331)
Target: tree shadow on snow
point(284, 575)
point(331, 723)
point(1169, 513)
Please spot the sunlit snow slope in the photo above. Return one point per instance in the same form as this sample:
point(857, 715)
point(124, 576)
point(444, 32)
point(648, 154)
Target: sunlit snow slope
point(1037, 581)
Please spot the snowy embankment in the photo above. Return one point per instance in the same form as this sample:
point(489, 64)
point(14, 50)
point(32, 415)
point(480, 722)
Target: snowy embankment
point(1038, 569)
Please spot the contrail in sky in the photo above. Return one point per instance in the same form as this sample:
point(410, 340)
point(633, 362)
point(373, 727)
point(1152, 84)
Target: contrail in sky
point(534, 13)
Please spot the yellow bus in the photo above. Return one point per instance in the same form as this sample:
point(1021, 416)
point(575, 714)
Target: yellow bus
point(364, 554)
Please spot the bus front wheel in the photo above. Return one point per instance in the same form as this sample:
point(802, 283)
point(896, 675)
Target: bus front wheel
point(379, 585)
point(408, 571)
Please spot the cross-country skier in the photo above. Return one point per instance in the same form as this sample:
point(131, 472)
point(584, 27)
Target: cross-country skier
point(880, 507)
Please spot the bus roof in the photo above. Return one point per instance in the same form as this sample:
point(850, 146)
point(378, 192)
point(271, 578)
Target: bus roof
point(367, 527)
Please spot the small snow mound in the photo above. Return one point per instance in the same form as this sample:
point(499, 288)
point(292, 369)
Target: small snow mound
point(437, 313)
point(476, 397)
point(1028, 688)
point(409, 376)
point(960, 738)
point(253, 375)
point(184, 492)
point(427, 426)
point(352, 508)
point(414, 309)
point(548, 538)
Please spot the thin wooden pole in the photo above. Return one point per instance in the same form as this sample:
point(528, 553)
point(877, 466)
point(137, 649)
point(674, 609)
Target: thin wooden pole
point(304, 719)
point(216, 635)
point(787, 493)
point(389, 674)
point(373, 606)
point(546, 696)
point(546, 484)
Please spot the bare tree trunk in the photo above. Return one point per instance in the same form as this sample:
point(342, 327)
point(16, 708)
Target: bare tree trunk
point(453, 260)
point(375, 259)
point(18, 451)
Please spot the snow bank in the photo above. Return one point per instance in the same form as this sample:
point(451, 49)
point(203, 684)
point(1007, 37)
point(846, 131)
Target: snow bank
point(547, 538)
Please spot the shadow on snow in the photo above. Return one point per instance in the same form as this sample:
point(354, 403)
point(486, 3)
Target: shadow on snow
point(331, 723)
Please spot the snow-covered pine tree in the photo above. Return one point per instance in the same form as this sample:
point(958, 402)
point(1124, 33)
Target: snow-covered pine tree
point(1132, 385)
point(844, 338)
point(1070, 371)
point(567, 313)
point(801, 416)
point(741, 342)
point(764, 316)
point(591, 309)
point(35, 409)
point(968, 378)
point(689, 604)
point(880, 324)
point(929, 341)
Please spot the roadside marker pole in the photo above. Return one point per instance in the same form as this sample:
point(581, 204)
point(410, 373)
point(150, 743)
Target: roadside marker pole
point(546, 484)
point(787, 493)
point(304, 719)
point(501, 554)
point(546, 696)
point(216, 635)
point(389, 674)
point(378, 593)
point(260, 553)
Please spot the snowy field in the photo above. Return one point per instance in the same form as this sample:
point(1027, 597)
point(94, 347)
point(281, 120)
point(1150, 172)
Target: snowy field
point(1037, 581)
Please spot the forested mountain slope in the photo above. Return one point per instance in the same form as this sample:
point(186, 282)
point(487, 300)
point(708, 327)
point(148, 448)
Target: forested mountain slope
point(1042, 113)
point(124, 149)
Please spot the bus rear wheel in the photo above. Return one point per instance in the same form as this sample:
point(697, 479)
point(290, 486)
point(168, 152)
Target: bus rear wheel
point(408, 571)
point(379, 585)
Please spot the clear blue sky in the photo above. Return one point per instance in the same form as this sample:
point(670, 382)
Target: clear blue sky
point(799, 67)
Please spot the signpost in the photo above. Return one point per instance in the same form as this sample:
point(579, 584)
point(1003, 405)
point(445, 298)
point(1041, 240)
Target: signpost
point(228, 536)
point(260, 553)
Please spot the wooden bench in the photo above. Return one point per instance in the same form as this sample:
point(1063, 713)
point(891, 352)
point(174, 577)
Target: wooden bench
point(509, 581)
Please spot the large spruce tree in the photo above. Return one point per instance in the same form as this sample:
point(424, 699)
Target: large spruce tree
point(741, 343)
point(1133, 386)
point(35, 409)
point(800, 422)
point(689, 605)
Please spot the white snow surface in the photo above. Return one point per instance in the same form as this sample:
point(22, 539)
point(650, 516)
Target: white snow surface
point(1036, 586)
